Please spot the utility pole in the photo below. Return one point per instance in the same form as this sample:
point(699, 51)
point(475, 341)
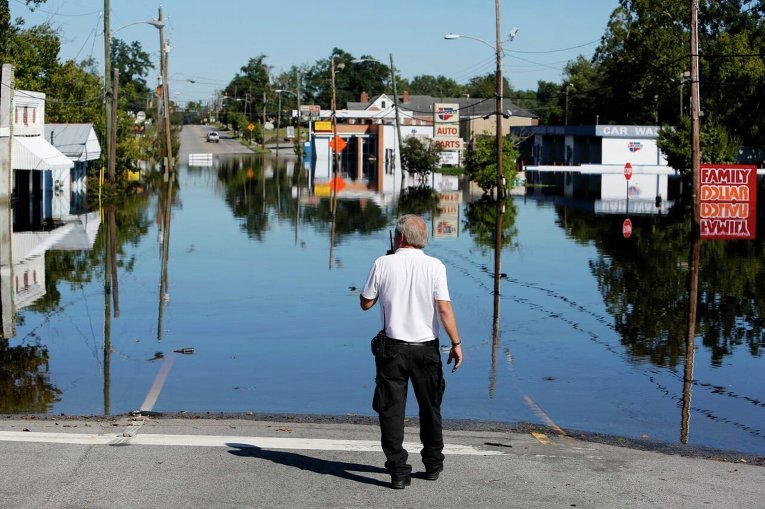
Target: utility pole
point(165, 94)
point(263, 131)
point(299, 120)
point(500, 170)
point(334, 138)
point(112, 143)
point(7, 293)
point(398, 122)
point(695, 115)
point(108, 85)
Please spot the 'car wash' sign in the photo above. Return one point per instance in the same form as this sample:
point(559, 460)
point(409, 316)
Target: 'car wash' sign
point(728, 201)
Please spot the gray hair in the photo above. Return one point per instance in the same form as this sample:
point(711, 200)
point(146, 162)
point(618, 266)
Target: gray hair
point(413, 229)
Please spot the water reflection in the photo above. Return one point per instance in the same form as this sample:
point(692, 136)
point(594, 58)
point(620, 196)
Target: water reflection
point(643, 282)
point(165, 202)
point(690, 339)
point(588, 307)
point(664, 289)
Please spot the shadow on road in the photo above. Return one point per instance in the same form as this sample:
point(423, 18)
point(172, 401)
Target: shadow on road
point(319, 466)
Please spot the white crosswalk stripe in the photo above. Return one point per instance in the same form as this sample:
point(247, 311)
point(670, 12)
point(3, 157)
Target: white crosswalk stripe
point(237, 442)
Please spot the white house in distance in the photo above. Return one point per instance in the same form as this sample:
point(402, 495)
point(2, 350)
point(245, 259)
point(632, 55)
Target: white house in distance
point(80, 144)
point(589, 161)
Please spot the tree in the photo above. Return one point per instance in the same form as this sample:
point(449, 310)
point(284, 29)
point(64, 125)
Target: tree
point(133, 64)
point(248, 86)
point(717, 145)
point(435, 86)
point(75, 95)
point(486, 86)
point(351, 79)
point(419, 157)
point(481, 163)
point(34, 52)
point(7, 28)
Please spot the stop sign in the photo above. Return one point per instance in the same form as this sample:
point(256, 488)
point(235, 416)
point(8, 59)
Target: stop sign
point(628, 171)
point(627, 228)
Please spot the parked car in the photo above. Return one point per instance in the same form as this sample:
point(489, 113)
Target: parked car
point(213, 136)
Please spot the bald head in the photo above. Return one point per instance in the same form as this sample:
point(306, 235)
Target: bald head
point(413, 230)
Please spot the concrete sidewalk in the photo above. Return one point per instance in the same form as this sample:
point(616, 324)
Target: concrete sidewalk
point(152, 462)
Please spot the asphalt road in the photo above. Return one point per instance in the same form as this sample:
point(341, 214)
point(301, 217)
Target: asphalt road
point(129, 462)
point(193, 141)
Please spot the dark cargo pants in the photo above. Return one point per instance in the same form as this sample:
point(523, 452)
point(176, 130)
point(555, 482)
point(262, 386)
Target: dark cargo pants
point(422, 365)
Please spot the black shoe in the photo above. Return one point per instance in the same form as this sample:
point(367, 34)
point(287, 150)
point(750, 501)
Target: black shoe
point(399, 483)
point(431, 474)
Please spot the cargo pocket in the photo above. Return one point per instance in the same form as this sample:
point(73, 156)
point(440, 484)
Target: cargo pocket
point(436, 368)
point(379, 397)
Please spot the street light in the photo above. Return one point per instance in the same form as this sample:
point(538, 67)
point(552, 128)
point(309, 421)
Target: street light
point(110, 148)
point(334, 134)
point(568, 87)
point(683, 78)
point(499, 115)
point(300, 139)
point(395, 108)
point(498, 51)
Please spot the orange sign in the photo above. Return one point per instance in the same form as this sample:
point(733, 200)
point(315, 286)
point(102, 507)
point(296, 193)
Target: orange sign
point(337, 183)
point(337, 144)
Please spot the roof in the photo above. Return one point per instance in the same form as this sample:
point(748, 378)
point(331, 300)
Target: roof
point(77, 141)
point(34, 153)
point(469, 107)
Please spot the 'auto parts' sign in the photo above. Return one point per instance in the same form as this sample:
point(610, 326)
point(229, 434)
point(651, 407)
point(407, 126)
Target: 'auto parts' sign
point(728, 201)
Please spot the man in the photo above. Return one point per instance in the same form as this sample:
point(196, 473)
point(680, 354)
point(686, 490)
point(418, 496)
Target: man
point(413, 294)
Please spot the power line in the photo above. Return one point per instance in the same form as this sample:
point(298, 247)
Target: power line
point(555, 50)
point(37, 9)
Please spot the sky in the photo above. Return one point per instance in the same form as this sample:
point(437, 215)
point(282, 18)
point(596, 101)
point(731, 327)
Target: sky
point(211, 40)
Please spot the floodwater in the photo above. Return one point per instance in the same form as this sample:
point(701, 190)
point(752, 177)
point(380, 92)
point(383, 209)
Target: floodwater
point(248, 274)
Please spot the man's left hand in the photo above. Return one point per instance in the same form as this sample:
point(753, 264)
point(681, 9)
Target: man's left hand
point(455, 354)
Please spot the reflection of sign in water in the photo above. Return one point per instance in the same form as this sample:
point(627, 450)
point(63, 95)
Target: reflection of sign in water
point(446, 228)
point(728, 205)
point(447, 220)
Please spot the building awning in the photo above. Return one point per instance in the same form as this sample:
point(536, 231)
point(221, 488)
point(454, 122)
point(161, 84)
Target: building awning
point(34, 153)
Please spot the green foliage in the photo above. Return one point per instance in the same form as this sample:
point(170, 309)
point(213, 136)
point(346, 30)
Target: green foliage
point(75, 95)
point(486, 86)
point(131, 60)
point(418, 200)
point(25, 385)
point(351, 79)
point(717, 145)
point(644, 283)
point(434, 86)
point(481, 222)
point(34, 53)
point(481, 162)
point(420, 158)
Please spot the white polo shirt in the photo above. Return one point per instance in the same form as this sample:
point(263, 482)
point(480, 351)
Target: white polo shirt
point(408, 284)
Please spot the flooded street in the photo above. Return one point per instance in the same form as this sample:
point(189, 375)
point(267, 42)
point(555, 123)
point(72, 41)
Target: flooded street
point(242, 296)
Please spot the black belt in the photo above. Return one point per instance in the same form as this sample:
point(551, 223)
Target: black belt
point(432, 342)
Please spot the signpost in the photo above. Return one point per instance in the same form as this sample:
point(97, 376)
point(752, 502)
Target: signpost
point(628, 171)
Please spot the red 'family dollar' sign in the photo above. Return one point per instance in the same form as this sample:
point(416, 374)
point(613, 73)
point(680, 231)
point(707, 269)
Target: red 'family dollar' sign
point(728, 201)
